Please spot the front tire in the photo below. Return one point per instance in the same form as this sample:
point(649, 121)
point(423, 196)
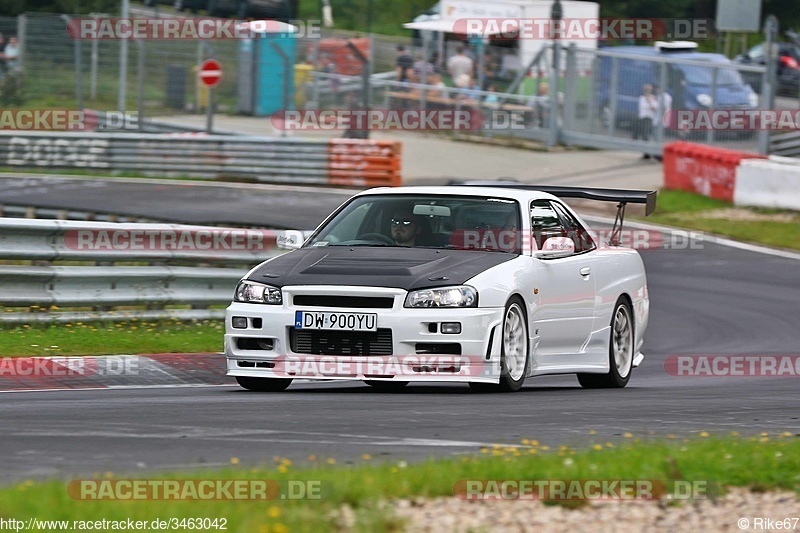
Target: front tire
point(620, 352)
point(264, 384)
point(514, 351)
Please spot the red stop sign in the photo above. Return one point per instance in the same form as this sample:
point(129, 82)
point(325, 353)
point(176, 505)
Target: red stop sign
point(210, 72)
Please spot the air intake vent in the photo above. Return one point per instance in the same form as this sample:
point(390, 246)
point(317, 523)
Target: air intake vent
point(352, 302)
point(325, 342)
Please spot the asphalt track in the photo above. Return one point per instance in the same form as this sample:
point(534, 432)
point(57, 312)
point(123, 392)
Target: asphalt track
point(184, 202)
point(717, 300)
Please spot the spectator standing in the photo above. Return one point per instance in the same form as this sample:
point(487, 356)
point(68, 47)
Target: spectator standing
point(10, 54)
point(459, 66)
point(404, 64)
point(648, 108)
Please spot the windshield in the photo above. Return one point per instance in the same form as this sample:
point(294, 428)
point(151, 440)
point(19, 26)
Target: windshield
point(425, 221)
point(705, 75)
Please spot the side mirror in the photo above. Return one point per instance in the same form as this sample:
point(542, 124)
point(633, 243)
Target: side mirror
point(290, 239)
point(556, 247)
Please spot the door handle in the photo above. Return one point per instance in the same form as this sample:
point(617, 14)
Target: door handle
point(585, 271)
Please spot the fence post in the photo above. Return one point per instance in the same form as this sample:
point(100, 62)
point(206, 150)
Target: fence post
point(140, 85)
point(78, 68)
point(662, 83)
point(123, 61)
point(768, 81)
point(22, 27)
point(714, 83)
point(612, 93)
point(570, 83)
point(552, 139)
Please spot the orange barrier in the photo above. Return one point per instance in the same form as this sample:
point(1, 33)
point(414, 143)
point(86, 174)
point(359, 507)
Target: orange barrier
point(364, 162)
point(703, 169)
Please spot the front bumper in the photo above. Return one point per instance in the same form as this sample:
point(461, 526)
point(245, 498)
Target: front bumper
point(418, 350)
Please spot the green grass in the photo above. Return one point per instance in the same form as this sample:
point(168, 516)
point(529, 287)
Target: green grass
point(688, 210)
point(98, 338)
point(762, 463)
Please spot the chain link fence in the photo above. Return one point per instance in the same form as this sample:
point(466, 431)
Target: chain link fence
point(591, 99)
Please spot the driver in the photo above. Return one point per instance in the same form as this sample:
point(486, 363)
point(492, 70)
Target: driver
point(405, 227)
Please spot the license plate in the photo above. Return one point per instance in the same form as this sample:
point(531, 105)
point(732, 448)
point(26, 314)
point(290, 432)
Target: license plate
point(336, 321)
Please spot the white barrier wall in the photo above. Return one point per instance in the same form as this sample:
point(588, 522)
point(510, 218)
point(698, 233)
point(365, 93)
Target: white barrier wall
point(773, 182)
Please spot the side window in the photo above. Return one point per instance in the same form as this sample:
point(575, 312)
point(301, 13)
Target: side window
point(580, 235)
point(545, 222)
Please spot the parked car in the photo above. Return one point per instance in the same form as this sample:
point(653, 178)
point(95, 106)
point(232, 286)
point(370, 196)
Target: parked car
point(486, 285)
point(788, 67)
point(690, 85)
point(180, 5)
point(282, 10)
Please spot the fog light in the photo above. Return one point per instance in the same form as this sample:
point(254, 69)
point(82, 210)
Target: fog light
point(239, 322)
point(453, 328)
point(266, 344)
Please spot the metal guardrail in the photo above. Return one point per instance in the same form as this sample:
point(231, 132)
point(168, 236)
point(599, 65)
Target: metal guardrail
point(164, 279)
point(34, 212)
point(785, 144)
point(352, 162)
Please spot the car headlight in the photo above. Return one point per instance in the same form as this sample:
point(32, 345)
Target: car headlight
point(705, 100)
point(257, 293)
point(752, 98)
point(463, 296)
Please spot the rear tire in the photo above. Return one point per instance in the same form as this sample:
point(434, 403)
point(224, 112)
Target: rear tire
point(620, 352)
point(264, 384)
point(386, 386)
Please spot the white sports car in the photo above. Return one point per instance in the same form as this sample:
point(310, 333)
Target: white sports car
point(484, 283)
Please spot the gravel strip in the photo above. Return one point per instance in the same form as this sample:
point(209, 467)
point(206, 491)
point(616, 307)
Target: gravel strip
point(452, 514)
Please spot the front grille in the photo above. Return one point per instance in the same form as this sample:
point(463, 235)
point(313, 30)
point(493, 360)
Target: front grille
point(356, 302)
point(326, 342)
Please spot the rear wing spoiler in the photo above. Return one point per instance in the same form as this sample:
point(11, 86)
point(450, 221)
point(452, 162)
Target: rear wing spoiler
point(621, 196)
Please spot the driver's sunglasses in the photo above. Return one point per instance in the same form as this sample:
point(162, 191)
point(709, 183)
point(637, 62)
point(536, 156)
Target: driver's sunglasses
point(404, 222)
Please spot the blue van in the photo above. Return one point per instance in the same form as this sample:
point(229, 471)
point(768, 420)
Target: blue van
point(689, 85)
